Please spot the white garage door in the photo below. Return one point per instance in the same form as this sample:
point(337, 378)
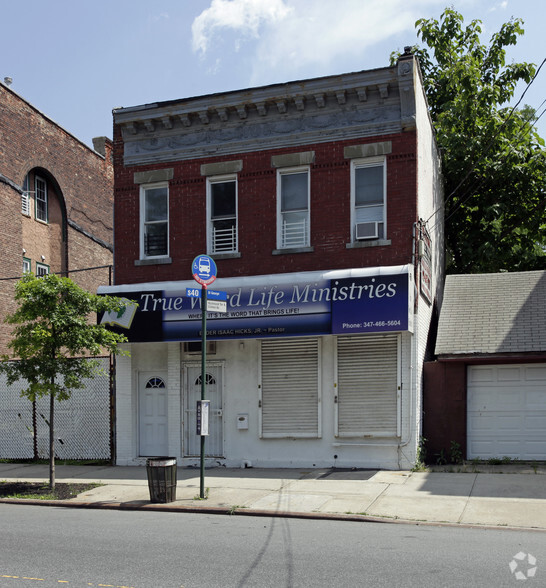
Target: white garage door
point(506, 413)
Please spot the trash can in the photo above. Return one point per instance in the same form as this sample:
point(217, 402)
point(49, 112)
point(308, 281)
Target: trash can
point(161, 478)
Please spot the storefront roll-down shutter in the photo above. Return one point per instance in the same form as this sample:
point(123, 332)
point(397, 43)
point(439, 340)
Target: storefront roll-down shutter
point(290, 388)
point(368, 386)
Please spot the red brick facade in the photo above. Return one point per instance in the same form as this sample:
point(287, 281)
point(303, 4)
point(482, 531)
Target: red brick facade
point(330, 210)
point(78, 231)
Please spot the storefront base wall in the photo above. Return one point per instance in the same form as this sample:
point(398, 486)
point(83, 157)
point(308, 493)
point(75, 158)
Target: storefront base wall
point(444, 408)
point(238, 362)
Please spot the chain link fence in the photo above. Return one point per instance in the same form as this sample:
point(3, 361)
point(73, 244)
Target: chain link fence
point(82, 423)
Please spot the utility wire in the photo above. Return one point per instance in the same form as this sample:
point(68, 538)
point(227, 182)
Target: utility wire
point(487, 149)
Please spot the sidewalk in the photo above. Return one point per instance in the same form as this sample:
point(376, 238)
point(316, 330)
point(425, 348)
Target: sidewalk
point(499, 496)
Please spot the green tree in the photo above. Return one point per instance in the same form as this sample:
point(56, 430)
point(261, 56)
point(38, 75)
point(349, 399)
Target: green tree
point(53, 340)
point(493, 159)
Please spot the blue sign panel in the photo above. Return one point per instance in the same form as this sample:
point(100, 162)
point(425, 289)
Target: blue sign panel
point(216, 295)
point(344, 306)
point(211, 294)
point(204, 270)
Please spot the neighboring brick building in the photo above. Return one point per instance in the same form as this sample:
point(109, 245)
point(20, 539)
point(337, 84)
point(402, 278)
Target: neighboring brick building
point(312, 197)
point(55, 201)
point(56, 205)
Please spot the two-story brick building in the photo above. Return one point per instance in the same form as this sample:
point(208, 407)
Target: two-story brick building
point(312, 198)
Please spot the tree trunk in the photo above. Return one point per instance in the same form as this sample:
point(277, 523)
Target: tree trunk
point(52, 441)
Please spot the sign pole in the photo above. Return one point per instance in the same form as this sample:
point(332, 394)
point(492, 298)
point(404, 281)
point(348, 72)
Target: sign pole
point(203, 380)
point(204, 270)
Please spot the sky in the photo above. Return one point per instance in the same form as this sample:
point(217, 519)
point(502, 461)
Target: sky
point(77, 60)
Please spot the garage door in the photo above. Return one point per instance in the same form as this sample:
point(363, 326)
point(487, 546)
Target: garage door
point(506, 413)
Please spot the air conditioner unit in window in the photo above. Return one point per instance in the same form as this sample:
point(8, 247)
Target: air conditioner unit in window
point(367, 230)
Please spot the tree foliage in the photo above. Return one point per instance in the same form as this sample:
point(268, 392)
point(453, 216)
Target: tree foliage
point(494, 162)
point(54, 337)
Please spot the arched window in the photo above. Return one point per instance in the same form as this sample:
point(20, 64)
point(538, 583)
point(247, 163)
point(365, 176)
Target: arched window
point(210, 380)
point(155, 383)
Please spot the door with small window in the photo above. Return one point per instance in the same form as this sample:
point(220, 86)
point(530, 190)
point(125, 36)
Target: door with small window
point(214, 442)
point(152, 410)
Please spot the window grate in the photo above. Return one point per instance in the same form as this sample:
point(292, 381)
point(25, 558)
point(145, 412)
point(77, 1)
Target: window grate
point(224, 240)
point(155, 245)
point(294, 234)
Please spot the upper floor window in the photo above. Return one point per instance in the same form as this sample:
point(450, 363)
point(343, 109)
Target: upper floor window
point(293, 208)
point(27, 268)
point(40, 187)
point(222, 207)
point(368, 198)
point(41, 270)
point(154, 220)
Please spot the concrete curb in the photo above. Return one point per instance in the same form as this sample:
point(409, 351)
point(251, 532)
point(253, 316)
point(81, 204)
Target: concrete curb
point(238, 511)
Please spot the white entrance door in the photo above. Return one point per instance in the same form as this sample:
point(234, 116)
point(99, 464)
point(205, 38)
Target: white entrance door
point(214, 442)
point(506, 413)
point(152, 409)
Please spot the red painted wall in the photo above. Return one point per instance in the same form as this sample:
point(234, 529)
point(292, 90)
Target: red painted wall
point(444, 408)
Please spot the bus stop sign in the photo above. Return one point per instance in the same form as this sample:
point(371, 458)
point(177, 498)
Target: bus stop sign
point(204, 270)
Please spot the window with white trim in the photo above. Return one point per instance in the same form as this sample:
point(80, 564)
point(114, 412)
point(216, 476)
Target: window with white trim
point(368, 199)
point(368, 384)
point(290, 388)
point(222, 213)
point(154, 220)
point(27, 267)
point(40, 193)
point(293, 208)
point(41, 270)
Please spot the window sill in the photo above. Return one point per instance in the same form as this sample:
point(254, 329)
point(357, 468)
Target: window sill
point(289, 251)
point(374, 243)
point(154, 261)
point(230, 255)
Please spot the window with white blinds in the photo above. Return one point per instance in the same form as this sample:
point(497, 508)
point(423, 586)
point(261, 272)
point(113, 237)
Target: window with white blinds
point(368, 383)
point(290, 388)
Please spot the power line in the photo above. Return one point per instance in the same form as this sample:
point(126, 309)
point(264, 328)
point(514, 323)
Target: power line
point(66, 272)
point(486, 150)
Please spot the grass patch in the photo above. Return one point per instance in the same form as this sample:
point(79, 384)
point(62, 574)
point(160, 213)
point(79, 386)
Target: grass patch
point(42, 491)
point(198, 497)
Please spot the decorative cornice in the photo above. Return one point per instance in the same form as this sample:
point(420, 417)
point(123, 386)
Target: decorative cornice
point(340, 107)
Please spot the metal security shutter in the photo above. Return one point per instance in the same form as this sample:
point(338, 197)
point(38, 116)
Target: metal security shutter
point(368, 382)
point(290, 388)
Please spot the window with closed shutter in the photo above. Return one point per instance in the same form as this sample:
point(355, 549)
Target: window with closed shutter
point(368, 381)
point(290, 388)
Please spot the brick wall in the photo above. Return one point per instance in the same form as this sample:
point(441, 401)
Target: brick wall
point(80, 199)
point(257, 202)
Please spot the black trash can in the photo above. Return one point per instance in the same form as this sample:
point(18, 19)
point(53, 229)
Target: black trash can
point(161, 478)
